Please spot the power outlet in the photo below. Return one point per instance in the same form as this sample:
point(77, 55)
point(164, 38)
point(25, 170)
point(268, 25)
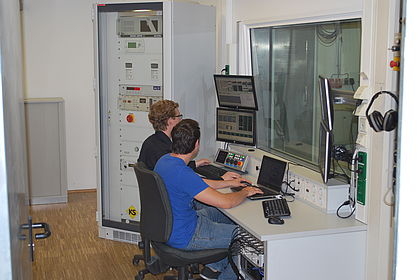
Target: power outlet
point(325, 197)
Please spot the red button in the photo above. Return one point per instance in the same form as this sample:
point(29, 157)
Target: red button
point(393, 64)
point(130, 118)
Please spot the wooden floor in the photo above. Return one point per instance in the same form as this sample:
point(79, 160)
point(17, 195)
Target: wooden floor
point(74, 250)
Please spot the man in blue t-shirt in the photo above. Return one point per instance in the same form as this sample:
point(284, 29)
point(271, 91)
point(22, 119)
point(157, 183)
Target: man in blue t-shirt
point(193, 230)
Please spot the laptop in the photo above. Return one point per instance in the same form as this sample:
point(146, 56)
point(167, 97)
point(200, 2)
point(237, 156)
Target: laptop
point(270, 178)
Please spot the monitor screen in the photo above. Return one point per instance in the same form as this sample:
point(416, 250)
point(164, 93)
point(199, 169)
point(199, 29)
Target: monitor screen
point(272, 173)
point(327, 102)
point(235, 126)
point(236, 91)
point(325, 151)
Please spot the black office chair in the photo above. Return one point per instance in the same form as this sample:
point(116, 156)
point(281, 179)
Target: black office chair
point(156, 227)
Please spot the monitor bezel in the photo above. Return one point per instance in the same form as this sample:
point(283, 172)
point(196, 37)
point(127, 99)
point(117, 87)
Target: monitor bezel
point(325, 164)
point(327, 102)
point(254, 130)
point(216, 76)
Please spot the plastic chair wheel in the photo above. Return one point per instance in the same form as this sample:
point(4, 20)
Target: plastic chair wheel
point(140, 276)
point(137, 259)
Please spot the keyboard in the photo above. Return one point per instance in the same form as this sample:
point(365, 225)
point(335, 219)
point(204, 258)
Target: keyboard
point(276, 207)
point(211, 172)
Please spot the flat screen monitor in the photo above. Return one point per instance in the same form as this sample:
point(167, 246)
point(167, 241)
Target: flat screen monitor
point(327, 102)
point(325, 152)
point(235, 126)
point(235, 91)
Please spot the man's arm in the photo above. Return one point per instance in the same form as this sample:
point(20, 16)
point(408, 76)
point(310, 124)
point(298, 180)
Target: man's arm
point(194, 164)
point(225, 200)
point(219, 184)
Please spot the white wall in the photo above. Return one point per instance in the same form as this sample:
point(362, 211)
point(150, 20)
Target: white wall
point(58, 52)
point(59, 62)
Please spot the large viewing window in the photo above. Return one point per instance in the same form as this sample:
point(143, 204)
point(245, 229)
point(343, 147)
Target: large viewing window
point(286, 63)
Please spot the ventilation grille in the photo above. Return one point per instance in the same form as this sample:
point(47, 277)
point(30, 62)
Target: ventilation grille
point(126, 237)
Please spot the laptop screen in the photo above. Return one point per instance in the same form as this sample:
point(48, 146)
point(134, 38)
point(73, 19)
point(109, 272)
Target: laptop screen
point(271, 173)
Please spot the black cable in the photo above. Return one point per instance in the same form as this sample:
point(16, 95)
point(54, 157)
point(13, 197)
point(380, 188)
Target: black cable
point(232, 263)
point(347, 202)
point(234, 250)
point(288, 185)
point(239, 245)
point(344, 173)
point(285, 192)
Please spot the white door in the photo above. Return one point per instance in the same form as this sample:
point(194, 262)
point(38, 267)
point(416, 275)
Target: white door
point(16, 242)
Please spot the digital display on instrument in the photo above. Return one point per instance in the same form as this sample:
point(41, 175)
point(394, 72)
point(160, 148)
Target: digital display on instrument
point(235, 91)
point(221, 156)
point(235, 126)
point(132, 45)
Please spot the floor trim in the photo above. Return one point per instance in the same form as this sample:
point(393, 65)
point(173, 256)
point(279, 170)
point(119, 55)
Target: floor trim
point(81, 191)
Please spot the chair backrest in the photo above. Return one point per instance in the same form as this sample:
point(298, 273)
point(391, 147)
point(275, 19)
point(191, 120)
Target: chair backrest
point(155, 208)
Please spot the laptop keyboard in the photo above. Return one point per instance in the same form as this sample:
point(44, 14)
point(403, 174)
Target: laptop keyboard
point(275, 207)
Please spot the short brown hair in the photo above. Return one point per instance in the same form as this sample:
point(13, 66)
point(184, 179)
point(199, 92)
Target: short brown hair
point(160, 112)
point(184, 136)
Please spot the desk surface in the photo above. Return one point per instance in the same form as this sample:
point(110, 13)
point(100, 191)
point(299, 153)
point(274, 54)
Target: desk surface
point(304, 221)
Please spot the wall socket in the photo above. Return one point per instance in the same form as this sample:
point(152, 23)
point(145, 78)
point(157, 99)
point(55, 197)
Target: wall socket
point(326, 197)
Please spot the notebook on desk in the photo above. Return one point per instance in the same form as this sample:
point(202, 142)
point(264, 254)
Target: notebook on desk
point(270, 178)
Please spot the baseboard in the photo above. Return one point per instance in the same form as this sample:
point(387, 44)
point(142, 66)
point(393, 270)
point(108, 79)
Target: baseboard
point(81, 191)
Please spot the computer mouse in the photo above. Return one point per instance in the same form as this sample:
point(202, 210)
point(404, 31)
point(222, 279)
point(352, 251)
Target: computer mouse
point(275, 221)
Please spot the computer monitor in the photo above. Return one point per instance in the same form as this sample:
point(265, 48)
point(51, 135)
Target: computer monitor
point(235, 126)
point(325, 152)
point(236, 91)
point(327, 103)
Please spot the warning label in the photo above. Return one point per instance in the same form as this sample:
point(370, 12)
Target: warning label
point(132, 211)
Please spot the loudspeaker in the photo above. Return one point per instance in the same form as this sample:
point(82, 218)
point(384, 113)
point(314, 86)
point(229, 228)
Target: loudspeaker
point(381, 122)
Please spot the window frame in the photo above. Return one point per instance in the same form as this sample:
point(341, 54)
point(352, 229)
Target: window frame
point(244, 58)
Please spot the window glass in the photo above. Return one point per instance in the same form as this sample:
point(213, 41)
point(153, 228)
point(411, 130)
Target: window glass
point(286, 63)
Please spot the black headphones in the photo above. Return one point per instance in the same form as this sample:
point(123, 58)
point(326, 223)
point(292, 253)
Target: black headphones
point(386, 122)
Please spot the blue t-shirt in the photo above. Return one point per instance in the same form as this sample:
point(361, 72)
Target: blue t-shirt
point(182, 184)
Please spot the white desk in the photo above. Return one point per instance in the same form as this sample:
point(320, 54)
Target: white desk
point(309, 245)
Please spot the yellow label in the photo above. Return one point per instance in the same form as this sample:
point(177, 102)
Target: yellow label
point(132, 211)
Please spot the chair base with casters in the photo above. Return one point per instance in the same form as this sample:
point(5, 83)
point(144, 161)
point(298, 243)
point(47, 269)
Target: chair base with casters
point(156, 222)
point(138, 258)
point(179, 259)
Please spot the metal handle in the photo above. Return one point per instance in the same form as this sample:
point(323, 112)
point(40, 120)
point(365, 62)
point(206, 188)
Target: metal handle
point(30, 226)
point(44, 234)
